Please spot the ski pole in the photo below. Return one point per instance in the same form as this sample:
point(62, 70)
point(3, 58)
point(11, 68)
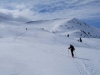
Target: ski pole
point(68, 52)
point(75, 53)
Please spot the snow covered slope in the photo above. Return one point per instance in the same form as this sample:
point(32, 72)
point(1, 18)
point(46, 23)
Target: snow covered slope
point(42, 48)
point(73, 27)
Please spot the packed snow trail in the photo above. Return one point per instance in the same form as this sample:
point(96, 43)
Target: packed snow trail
point(80, 68)
point(90, 67)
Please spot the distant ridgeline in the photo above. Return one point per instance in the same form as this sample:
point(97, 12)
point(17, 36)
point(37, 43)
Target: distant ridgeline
point(72, 27)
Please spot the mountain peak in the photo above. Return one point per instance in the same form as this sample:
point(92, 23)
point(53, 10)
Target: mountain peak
point(75, 20)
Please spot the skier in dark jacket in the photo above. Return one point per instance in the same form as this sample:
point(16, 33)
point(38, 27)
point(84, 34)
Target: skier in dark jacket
point(72, 49)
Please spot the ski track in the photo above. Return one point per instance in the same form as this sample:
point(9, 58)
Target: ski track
point(19, 35)
point(86, 67)
point(92, 68)
point(82, 70)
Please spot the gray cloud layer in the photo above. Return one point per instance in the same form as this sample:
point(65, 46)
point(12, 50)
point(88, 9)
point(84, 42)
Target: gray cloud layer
point(48, 9)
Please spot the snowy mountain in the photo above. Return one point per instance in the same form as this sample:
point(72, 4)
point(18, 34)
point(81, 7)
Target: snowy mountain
point(41, 48)
point(73, 27)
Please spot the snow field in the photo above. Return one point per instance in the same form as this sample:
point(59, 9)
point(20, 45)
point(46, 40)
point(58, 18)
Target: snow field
point(39, 51)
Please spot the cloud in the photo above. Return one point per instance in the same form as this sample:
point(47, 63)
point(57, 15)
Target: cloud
point(49, 9)
point(18, 15)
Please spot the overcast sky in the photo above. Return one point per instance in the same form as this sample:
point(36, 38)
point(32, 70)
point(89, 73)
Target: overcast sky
point(85, 10)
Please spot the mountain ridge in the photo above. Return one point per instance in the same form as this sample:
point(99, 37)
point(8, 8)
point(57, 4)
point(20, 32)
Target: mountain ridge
point(65, 26)
point(75, 28)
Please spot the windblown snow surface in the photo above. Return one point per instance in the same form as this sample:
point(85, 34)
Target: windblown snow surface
point(42, 49)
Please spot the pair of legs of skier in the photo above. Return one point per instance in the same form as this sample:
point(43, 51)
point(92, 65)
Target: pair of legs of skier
point(72, 53)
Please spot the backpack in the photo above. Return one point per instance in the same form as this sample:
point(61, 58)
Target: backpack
point(73, 47)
